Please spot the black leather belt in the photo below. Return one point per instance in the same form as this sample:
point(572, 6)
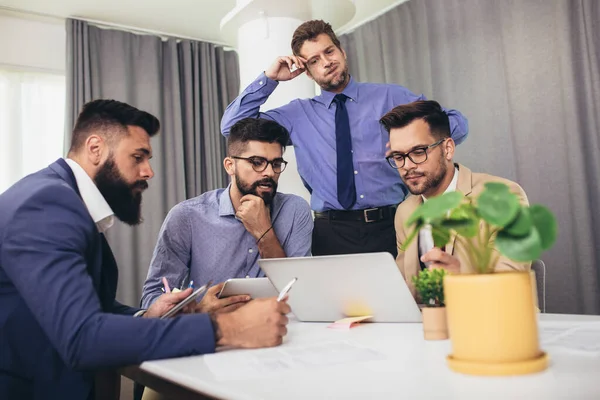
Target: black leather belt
point(366, 215)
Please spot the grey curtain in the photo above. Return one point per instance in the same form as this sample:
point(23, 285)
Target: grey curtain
point(187, 85)
point(527, 76)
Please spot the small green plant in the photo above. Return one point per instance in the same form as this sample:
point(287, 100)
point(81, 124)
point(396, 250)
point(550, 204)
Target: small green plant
point(494, 220)
point(430, 286)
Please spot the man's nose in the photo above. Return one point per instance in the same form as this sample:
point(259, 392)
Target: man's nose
point(270, 171)
point(147, 172)
point(409, 164)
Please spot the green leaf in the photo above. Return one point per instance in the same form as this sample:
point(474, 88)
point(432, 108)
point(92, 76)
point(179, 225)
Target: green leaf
point(521, 225)
point(464, 227)
point(411, 236)
point(440, 236)
point(527, 248)
point(497, 205)
point(463, 211)
point(414, 217)
point(545, 223)
point(439, 206)
point(496, 187)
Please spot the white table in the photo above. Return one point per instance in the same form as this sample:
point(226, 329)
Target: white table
point(412, 369)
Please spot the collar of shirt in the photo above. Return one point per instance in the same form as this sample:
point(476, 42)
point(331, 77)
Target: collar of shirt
point(351, 90)
point(97, 206)
point(225, 204)
point(451, 187)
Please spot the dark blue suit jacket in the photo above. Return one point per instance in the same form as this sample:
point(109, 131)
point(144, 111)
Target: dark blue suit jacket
point(59, 320)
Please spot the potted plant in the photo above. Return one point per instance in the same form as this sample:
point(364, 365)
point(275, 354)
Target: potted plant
point(492, 320)
point(429, 286)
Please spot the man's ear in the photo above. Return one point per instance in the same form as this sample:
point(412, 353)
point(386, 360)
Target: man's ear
point(229, 166)
point(307, 72)
point(450, 147)
point(96, 149)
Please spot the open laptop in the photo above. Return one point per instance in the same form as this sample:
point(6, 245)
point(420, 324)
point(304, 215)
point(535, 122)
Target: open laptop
point(330, 288)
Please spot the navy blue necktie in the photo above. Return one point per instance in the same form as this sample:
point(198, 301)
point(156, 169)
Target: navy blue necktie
point(346, 189)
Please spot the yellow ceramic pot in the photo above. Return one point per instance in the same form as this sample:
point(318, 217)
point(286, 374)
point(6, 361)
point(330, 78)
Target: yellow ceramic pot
point(493, 324)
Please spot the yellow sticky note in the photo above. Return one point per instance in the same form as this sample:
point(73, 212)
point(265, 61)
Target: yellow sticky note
point(347, 323)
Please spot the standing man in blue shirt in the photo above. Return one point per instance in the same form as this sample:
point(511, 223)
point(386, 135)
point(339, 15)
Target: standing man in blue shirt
point(221, 234)
point(340, 145)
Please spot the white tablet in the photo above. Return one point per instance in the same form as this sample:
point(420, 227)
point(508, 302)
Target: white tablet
point(330, 288)
point(192, 297)
point(256, 288)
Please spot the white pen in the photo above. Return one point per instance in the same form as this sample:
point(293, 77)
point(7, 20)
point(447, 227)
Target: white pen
point(286, 289)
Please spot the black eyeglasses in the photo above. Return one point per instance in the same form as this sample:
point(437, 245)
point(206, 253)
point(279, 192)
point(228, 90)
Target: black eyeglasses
point(259, 164)
point(417, 156)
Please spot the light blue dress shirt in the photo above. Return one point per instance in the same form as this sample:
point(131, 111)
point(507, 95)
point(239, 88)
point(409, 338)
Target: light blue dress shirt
point(202, 235)
point(311, 123)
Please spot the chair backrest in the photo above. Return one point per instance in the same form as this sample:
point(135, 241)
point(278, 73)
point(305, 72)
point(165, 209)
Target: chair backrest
point(539, 268)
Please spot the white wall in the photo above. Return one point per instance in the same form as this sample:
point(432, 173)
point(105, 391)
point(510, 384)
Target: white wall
point(32, 42)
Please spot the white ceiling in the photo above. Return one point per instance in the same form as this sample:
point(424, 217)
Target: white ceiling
point(198, 19)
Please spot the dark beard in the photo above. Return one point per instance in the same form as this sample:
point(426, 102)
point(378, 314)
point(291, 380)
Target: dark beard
point(120, 195)
point(432, 181)
point(253, 189)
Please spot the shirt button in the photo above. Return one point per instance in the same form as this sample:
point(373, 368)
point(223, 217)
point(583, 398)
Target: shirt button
point(260, 82)
point(250, 250)
point(355, 172)
point(351, 151)
point(362, 196)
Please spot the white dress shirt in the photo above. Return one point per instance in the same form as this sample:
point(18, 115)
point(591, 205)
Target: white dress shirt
point(97, 206)
point(425, 237)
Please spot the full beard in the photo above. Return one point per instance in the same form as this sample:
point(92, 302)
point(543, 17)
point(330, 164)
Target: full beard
point(431, 180)
point(124, 199)
point(252, 189)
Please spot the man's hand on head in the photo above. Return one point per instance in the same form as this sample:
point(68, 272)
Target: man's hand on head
point(281, 69)
point(254, 214)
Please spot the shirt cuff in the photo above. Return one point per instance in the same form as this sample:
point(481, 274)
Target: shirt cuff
point(264, 84)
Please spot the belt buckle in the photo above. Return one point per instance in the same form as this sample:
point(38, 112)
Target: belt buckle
point(366, 213)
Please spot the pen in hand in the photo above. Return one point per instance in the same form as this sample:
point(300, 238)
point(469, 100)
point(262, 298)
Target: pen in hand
point(185, 284)
point(286, 289)
point(167, 288)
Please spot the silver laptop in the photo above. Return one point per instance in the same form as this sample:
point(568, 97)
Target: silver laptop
point(330, 288)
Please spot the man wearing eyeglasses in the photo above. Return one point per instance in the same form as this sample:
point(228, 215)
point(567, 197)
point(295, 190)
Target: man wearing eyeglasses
point(221, 234)
point(422, 152)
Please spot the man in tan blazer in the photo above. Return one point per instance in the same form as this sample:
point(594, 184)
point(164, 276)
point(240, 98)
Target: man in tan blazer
point(422, 150)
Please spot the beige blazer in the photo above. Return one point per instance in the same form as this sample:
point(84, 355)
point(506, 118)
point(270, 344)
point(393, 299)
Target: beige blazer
point(470, 184)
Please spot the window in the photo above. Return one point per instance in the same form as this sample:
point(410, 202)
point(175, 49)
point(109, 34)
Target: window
point(32, 114)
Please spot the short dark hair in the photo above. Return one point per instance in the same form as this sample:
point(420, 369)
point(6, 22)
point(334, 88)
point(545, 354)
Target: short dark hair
point(110, 116)
point(261, 130)
point(309, 30)
point(428, 110)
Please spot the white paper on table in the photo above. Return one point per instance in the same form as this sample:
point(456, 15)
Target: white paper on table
point(249, 364)
point(582, 337)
